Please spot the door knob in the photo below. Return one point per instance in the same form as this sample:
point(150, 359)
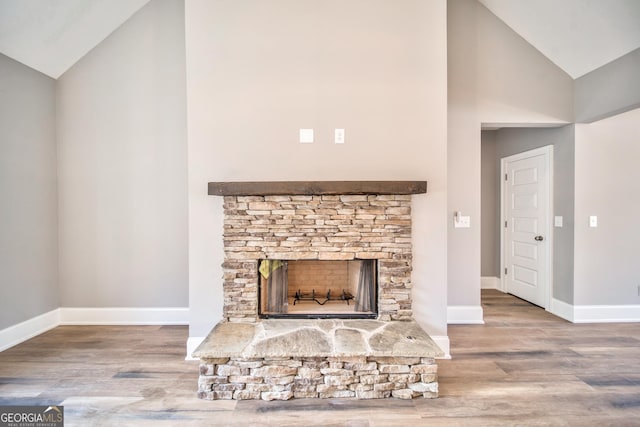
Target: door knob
point(539, 238)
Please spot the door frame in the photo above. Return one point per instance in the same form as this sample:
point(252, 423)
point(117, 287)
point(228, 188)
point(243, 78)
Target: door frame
point(546, 150)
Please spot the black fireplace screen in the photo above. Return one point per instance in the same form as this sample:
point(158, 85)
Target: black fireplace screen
point(318, 288)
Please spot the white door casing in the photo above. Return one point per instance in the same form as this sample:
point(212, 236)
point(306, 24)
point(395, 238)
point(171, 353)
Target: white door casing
point(526, 225)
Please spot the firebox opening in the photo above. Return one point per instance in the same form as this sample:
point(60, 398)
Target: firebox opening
point(318, 289)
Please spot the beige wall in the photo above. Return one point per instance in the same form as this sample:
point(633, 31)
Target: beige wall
point(28, 205)
point(257, 71)
point(494, 77)
point(609, 90)
point(490, 213)
point(121, 134)
point(607, 177)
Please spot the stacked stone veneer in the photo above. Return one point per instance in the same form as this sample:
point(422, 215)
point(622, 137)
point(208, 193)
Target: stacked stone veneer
point(310, 377)
point(324, 227)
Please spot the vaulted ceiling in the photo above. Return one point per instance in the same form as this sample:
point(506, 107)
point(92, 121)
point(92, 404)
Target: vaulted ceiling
point(52, 35)
point(577, 35)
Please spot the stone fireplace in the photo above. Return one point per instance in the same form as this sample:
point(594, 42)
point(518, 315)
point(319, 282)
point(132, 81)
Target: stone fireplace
point(256, 352)
point(317, 227)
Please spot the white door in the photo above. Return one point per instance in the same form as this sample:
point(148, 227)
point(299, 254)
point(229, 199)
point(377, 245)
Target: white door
point(526, 214)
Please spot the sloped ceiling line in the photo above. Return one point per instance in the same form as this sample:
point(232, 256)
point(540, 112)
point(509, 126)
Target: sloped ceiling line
point(577, 35)
point(51, 36)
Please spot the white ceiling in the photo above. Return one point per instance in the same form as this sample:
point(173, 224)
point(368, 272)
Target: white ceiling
point(52, 35)
point(577, 35)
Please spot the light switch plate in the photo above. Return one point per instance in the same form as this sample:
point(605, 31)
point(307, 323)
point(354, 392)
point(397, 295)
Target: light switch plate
point(557, 221)
point(306, 136)
point(593, 221)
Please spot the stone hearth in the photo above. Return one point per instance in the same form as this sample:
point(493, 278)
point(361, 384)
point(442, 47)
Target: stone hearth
point(247, 357)
point(283, 359)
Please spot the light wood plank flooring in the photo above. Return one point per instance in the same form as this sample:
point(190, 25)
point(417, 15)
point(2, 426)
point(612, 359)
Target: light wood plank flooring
point(523, 367)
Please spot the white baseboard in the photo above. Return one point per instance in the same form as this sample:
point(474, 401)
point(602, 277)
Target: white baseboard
point(443, 342)
point(192, 344)
point(595, 313)
point(490, 282)
point(465, 315)
point(606, 313)
point(124, 316)
point(23, 331)
point(562, 309)
point(14, 335)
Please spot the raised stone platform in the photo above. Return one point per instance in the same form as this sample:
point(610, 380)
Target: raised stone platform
point(324, 358)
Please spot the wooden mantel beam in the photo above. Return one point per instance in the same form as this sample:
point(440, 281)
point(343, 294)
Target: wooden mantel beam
point(311, 188)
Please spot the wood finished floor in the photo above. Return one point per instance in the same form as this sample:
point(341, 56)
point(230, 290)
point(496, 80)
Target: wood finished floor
point(523, 367)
